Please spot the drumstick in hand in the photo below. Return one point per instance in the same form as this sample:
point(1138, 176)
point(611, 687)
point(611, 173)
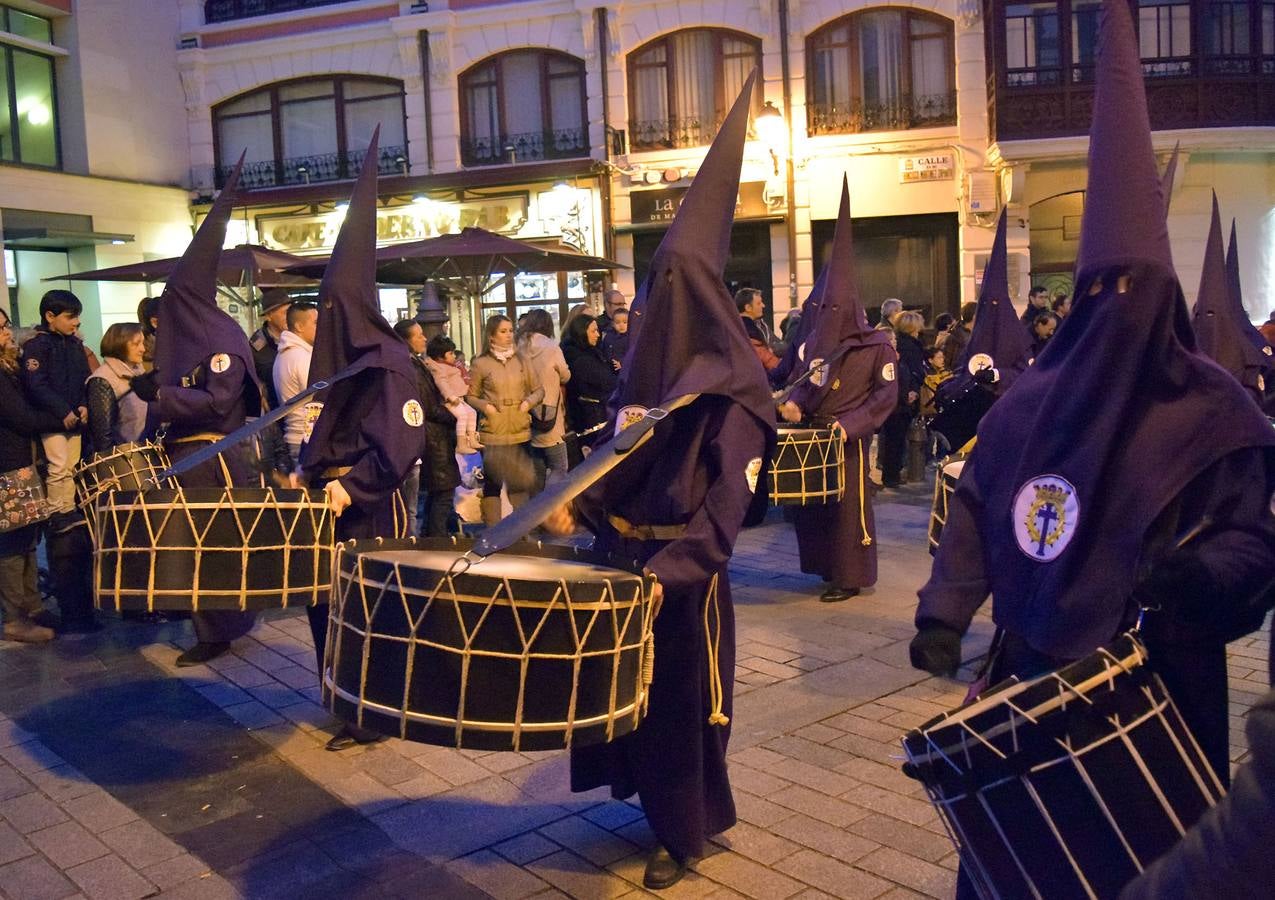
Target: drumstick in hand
point(338, 497)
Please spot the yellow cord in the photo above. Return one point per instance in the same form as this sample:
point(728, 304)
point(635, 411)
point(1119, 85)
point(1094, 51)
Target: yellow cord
point(716, 695)
point(863, 500)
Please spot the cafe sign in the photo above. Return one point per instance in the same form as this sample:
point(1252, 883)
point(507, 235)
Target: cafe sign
point(935, 167)
point(660, 206)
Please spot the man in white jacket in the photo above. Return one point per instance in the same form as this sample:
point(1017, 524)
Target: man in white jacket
point(292, 373)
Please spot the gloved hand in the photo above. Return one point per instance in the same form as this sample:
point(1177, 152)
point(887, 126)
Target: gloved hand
point(986, 376)
point(146, 386)
point(1182, 586)
point(936, 648)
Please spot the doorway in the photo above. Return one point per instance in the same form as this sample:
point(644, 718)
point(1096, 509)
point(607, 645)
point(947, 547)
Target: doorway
point(747, 267)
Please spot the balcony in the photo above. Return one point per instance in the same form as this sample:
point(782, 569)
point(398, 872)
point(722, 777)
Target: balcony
point(901, 115)
point(673, 133)
point(314, 169)
point(229, 10)
point(531, 146)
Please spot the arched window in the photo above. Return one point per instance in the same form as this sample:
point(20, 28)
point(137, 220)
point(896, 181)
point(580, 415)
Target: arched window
point(312, 129)
point(523, 105)
point(883, 69)
point(682, 85)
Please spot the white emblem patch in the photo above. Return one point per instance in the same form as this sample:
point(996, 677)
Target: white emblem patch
point(801, 351)
point(311, 411)
point(1261, 385)
point(219, 363)
point(818, 372)
point(752, 472)
point(413, 414)
point(628, 415)
point(1046, 515)
point(980, 361)
point(887, 372)
point(1266, 350)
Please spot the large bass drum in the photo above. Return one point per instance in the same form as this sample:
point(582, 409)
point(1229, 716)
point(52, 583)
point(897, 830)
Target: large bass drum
point(944, 489)
point(212, 549)
point(127, 467)
point(535, 648)
point(1067, 785)
point(809, 466)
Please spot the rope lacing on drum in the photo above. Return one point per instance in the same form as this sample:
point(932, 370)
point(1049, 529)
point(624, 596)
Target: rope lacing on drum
point(863, 498)
point(712, 640)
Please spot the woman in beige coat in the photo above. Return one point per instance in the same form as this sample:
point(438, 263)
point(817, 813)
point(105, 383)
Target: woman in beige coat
point(504, 388)
point(537, 346)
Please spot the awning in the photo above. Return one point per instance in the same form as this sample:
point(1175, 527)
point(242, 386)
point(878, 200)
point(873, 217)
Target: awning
point(59, 238)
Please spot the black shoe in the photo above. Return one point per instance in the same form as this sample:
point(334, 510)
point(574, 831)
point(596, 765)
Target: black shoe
point(662, 870)
point(81, 626)
point(48, 619)
point(201, 653)
point(351, 735)
point(835, 594)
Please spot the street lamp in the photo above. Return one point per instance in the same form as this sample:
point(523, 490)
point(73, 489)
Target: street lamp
point(770, 129)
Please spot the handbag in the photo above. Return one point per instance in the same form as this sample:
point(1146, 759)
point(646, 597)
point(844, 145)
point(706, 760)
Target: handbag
point(543, 418)
point(23, 500)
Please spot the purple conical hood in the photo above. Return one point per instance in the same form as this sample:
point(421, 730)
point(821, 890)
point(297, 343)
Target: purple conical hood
point(1166, 180)
point(1124, 210)
point(998, 333)
point(1237, 298)
point(685, 332)
point(192, 327)
point(351, 328)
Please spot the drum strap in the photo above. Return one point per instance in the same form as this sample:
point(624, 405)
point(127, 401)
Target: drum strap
point(712, 642)
point(627, 529)
point(207, 437)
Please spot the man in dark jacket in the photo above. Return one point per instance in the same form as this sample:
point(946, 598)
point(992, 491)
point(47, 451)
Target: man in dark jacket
point(265, 340)
point(54, 371)
point(440, 475)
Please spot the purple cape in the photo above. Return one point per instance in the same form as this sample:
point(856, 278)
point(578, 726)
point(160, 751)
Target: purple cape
point(1063, 459)
point(192, 327)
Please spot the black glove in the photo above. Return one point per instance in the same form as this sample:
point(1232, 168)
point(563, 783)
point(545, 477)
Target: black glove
point(985, 376)
point(146, 386)
point(936, 648)
point(1182, 587)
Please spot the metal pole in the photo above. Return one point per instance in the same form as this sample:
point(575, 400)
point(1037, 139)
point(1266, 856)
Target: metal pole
point(790, 221)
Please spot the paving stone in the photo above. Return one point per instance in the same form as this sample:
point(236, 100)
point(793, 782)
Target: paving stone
point(908, 838)
point(527, 847)
point(497, 876)
point(827, 839)
point(808, 752)
point(595, 844)
point(578, 877)
point(426, 784)
point(615, 815)
point(913, 811)
point(747, 877)
point(62, 783)
point(364, 792)
point(386, 766)
point(110, 878)
point(917, 874)
point(247, 676)
point(140, 844)
point(848, 722)
point(12, 784)
point(67, 844)
point(253, 714)
point(816, 778)
point(756, 843)
point(818, 733)
point(31, 812)
point(12, 845)
point(819, 806)
point(175, 871)
point(833, 876)
point(99, 811)
point(756, 782)
point(34, 879)
point(212, 887)
point(224, 694)
point(31, 756)
point(759, 812)
point(451, 766)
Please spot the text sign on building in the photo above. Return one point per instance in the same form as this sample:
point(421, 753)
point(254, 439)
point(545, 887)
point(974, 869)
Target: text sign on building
point(937, 167)
point(659, 207)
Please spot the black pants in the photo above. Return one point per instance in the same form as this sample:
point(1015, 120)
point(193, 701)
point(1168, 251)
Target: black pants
point(892, 445)
point(436, 512)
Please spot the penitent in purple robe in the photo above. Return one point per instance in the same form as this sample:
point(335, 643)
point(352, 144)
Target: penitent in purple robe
point(696, 476)
point(836, 541)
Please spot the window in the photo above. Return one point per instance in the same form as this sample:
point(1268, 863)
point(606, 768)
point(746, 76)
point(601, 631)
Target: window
point(881, 70)
point(1084, 38)
point(1268, 38)
point(26, 25)
point(28, 94)
point(314, 129)
point(682, 85)
point(1227, 36)
point(1164, 36)
point(1033, 53)
point(523, 105)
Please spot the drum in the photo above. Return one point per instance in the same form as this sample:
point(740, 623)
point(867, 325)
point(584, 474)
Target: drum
point(128, 467)
point(944, 487)
point(212, 549)
point(809, 466)
point(1067, 785)
point(536, 648)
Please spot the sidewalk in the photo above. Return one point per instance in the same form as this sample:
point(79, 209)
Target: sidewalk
point(124, 777)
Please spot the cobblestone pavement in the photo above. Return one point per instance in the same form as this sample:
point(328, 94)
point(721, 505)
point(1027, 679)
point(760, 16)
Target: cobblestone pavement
point(123, 777)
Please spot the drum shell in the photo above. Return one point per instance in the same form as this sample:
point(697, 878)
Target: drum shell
point(949, 473)
point(477, 658)
point(809, 466)
point(128, 467)
point(212, 549)
point(1069, 784)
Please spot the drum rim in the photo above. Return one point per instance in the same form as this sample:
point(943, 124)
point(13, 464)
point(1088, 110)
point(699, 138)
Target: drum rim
point(356, 547)
point(159, 497)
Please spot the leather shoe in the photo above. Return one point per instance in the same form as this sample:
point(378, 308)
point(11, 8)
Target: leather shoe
point(201, 653)
point(27, 632)
point(663, 870)
point(350, 735)
point(835, 594)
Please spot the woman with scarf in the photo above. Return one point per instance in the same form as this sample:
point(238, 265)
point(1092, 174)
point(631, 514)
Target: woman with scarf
point(116, 414)
point(592, 378)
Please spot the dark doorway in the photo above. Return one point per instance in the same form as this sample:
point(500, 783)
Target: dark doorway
point(913, 258)
point(748, 266)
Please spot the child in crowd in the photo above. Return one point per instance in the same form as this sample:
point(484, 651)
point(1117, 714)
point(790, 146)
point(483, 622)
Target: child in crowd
point(440, 359)
point(615, 341)
point(936, 372)
point(54, 371)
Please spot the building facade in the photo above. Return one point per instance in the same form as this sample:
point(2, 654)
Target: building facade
point(94, 161)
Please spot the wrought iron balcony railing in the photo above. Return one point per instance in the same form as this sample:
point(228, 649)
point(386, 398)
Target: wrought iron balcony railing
point(672, 134)
point(317, 168)
point(900, 115)
point(229, 10)
point(561, 143)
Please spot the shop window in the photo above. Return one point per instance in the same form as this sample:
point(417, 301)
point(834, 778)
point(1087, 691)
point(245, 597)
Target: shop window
point(1164, 37)
point(1033, 53)
point(682, 85)
point(881, 70)
point(314, 129)
point(523, 105)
